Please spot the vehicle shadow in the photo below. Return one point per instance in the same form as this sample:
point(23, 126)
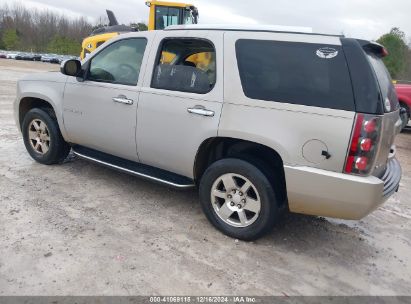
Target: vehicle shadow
point(309, 232)
point(294, 232)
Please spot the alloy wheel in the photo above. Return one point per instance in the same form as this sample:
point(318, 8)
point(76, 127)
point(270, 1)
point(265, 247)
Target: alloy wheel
point(235, 200)
point(39, 136)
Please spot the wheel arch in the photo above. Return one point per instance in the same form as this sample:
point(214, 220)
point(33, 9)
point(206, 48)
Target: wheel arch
point(28, 102)
point(216, 148)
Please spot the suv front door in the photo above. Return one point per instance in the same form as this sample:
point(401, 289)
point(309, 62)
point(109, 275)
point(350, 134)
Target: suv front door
point(181, 99)
point(100, 112)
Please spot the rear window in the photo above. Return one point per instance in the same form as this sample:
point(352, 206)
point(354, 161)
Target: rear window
point(387, 88)
point(297, 73)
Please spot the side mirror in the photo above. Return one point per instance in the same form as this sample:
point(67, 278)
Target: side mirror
point(71, 67)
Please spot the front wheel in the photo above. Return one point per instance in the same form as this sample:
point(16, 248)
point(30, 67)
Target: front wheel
point(42, 137)
point(238, 199)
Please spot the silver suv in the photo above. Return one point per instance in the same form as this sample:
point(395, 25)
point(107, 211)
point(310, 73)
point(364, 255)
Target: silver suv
point(260, 121)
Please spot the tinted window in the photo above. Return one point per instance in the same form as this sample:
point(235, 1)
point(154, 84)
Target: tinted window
point(365, 87)
point(385, 82)
point(119, 63)
point(186, 65)
point(296, 73)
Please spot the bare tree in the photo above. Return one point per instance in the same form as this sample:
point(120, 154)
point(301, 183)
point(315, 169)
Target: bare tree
point(37, 28)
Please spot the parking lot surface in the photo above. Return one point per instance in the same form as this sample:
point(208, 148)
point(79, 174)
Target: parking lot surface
point(81, 229)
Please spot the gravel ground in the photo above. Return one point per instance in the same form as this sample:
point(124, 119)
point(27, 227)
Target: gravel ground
point(81, 229)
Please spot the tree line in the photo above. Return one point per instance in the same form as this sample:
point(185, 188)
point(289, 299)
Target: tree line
point(398, 62)
point(41, 30)
point(44, 31)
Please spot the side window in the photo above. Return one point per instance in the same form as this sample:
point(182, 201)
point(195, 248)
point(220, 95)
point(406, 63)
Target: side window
point(119, 62)
point(385, 82)
point(188, 17)
point(185, 65)
point(297, 73)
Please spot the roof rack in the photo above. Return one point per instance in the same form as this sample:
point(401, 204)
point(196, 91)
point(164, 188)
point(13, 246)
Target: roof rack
point(248, 28)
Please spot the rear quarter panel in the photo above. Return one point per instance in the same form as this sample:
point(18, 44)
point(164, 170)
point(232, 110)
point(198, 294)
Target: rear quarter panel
point(286, 128)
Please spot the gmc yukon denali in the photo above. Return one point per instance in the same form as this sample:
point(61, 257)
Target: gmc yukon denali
point(259, 120)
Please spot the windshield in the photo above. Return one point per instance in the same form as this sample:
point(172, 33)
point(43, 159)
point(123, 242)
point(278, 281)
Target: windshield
point(389, 95)
point(166, 16)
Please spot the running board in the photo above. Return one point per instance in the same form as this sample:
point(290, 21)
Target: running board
point(133, 168)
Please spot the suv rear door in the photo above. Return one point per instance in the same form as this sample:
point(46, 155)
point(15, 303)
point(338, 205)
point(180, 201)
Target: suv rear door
point(181, 99)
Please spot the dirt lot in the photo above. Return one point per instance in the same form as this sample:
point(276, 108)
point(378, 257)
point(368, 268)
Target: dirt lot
point(81, 229)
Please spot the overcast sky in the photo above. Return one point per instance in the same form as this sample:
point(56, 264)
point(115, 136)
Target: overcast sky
point(355, 18)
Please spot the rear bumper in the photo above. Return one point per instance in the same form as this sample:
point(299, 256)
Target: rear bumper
point(324, 193)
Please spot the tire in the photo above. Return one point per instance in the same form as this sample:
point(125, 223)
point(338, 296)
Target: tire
point(251, 225)
point(405, 117)
point(48, 147)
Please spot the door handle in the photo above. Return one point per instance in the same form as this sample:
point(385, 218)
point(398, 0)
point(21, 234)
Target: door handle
point(201, 111)
point(123, 99)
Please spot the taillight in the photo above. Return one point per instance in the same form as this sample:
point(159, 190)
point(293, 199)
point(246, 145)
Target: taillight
point(363, 145)
point(366, 144)
point(370, 125)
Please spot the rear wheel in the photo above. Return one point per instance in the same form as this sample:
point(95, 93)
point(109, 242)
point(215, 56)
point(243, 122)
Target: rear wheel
point(405, 115)
point(42, 137)
point(238, 199)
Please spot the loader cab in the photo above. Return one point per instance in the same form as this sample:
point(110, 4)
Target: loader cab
point(163, 14)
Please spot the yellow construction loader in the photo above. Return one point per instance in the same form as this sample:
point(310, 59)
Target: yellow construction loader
point(162, 14)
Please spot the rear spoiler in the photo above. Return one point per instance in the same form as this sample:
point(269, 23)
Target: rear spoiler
point(373, 47)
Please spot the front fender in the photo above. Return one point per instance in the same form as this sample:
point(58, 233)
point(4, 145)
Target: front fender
point(51, 92)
